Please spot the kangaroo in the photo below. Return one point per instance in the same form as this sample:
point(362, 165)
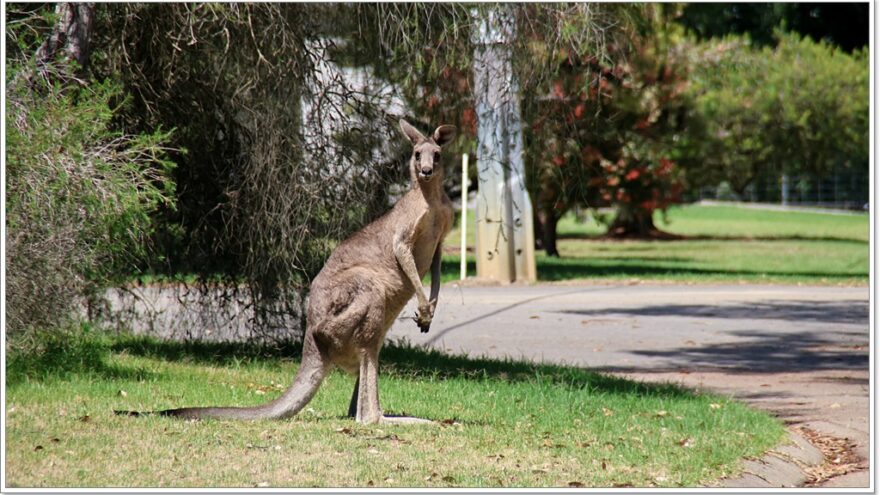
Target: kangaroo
point(360, 291)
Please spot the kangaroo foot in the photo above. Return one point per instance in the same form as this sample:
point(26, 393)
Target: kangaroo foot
point(405, 420)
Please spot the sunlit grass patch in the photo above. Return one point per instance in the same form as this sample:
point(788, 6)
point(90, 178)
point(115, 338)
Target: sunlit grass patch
point(500, 423)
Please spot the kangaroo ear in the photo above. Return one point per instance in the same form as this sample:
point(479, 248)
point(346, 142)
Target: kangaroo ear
point(411, 132)
point(444, 134)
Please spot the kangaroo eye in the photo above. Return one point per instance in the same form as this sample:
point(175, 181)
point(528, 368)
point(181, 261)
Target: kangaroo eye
point(436, 156)
point(418, 156)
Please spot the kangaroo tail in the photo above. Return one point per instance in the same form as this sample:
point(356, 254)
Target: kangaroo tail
point(306, 383)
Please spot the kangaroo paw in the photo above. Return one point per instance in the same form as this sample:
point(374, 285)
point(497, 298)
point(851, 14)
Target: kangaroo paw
point(423, 320)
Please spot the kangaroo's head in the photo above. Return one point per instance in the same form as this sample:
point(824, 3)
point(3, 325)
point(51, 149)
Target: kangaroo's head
point(425, 163)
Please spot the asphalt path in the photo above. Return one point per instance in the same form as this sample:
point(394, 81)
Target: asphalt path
point(800, 352)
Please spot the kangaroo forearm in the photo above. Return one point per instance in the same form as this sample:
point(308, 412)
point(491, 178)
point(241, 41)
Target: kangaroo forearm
point(408, 265)
point(435, 275)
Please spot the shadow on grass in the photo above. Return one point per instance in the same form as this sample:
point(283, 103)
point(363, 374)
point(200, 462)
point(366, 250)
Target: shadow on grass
point(559, 269)
point(555, 269)
point(200, 352)
point(401, 360)
point(453, 267)
point(64, 355)
point(723, 238)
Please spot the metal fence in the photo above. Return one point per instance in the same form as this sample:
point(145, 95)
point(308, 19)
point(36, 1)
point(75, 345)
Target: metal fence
point(845, 188)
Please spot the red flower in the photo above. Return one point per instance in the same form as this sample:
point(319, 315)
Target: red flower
point(613, 181)
point(632, 174)
point(558, 160)
point(557, 90)
point(579, 110)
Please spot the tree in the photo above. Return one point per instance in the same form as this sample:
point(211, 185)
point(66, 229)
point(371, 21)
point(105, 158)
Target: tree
point(602, 134)
point(799, 107)
point(842, 24)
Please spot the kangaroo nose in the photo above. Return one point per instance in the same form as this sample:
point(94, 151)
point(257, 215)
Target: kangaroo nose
point(427, 171)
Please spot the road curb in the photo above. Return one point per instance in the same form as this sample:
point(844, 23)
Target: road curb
point(782, 467)
point(836, 430)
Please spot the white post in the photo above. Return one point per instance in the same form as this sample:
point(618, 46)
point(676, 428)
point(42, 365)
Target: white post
point(785, 189)
point(464, 188)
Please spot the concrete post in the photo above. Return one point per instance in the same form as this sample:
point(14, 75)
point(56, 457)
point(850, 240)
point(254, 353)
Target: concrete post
point(504, 230)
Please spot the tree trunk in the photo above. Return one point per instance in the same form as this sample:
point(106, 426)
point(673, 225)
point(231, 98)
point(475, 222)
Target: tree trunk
point(633, 222)
point(549, 235)
point(548, 221)
point(539, 227)
point(72, 33)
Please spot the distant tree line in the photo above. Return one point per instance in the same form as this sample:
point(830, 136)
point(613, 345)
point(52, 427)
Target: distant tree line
point(842, 24)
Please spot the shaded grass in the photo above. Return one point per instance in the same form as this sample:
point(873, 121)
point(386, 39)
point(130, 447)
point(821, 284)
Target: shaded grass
point(722, 244)
point(502, 423)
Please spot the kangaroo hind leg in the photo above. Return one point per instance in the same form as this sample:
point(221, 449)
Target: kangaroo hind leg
point(352, 406)
point(364, 406)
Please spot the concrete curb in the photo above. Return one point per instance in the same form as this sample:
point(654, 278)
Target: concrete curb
point(861, 448)
point(782, 467)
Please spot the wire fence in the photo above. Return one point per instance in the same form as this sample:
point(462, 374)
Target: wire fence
point(847, 189)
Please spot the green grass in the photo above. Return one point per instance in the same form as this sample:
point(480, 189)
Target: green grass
point(723, 244)
point(502, 423)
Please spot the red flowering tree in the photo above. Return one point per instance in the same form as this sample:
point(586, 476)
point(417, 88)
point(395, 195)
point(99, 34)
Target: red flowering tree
point(603, 136)
point(637, 187)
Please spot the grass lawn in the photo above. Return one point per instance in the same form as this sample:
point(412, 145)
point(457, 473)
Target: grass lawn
point(501, 423)
point(726, 244)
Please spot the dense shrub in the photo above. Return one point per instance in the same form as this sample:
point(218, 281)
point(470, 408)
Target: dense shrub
point(78, 195)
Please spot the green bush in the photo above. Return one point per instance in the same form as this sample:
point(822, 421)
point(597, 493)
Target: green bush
point(78, 195)
point(801, 107)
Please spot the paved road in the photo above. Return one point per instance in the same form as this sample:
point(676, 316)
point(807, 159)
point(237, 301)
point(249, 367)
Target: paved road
point(800, 352)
